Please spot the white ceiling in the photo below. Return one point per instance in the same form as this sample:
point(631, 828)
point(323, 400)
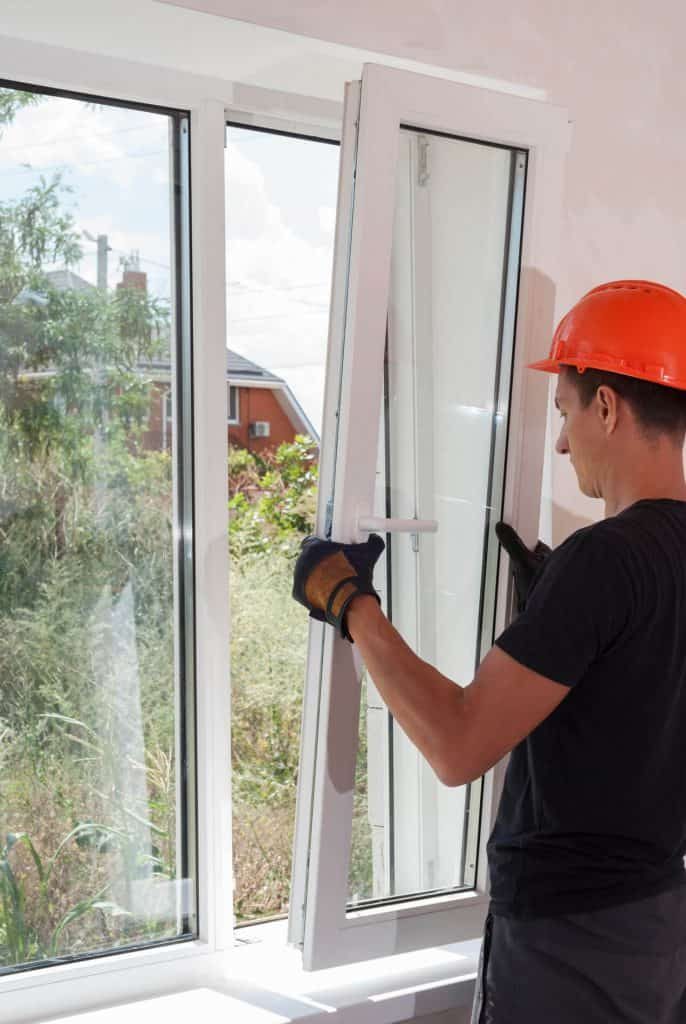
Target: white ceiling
point(177, 37)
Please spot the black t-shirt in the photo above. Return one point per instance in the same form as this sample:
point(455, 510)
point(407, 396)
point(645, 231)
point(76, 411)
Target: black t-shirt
point(593, 811)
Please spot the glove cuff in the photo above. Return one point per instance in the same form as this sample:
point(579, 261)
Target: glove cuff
point(345, 591)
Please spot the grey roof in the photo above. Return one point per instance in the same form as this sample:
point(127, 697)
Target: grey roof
point(236, 367)
point(61, 280)
point(239, 366)
point(67, 280)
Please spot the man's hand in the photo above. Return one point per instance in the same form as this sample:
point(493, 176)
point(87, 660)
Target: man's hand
point(329, 575)
point(526, 564)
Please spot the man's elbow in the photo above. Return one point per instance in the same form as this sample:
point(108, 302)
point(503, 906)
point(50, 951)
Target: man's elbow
point(454, 771)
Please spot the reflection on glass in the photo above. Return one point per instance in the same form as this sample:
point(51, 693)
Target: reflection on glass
point(281, 196)
point(440, 458)
point(95, 851)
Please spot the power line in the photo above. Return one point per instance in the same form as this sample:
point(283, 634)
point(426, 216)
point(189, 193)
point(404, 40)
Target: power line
point(84, 163)
point(244, 291)
point(265, 291)
point(275, 316)
point(73, 138)
point(141, 259)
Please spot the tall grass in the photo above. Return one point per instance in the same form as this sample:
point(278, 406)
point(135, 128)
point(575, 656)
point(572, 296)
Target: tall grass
point(68, 764)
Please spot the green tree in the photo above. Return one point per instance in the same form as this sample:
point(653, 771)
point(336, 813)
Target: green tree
point(69, 360)
point(74, 399)
point(12, 101)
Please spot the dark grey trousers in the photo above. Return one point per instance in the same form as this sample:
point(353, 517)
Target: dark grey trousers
point(622, 965)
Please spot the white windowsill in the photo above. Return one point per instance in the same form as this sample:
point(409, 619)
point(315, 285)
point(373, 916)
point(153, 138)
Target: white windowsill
point(261, 981)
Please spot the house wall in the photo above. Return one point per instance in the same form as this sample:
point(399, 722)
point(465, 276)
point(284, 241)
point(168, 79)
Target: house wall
point(260, 404)
point(253, 404)
point(617, 65)
point(153, 439)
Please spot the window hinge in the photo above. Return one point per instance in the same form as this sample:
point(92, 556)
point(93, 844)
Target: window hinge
point(328, 520)
point(423, 173)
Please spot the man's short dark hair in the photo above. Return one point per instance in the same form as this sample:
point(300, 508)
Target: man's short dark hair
point(658, 409)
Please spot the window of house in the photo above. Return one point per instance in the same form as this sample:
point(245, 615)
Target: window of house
point(234, 410)
point(97, 841)
point(167, 412)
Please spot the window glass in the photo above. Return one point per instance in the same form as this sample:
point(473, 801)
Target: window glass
point(281, 199)
point(441, 458)
point(96, 850)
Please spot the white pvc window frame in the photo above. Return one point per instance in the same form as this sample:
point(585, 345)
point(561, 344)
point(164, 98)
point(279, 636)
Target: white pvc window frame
point(320, 924)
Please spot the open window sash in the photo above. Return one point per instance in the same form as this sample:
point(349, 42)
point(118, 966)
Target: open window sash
point(447, 230)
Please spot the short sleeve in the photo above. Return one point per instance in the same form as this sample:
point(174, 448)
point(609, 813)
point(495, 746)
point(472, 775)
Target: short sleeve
point(578, 609)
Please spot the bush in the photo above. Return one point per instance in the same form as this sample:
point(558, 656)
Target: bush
point(272, 498)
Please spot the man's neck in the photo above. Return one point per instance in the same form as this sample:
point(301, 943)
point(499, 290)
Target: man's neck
point(648, 484)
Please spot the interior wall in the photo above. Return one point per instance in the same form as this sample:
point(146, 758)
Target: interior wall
point(616, 65)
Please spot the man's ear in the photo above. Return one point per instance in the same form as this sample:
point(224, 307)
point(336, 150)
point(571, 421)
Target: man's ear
point(607, 407)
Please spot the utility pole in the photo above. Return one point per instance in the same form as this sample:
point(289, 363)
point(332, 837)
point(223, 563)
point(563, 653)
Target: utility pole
point(103, 249)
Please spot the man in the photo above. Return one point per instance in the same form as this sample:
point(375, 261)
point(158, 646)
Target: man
point(586, 687)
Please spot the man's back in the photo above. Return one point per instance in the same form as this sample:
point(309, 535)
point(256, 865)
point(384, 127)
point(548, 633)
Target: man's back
point(593, 812)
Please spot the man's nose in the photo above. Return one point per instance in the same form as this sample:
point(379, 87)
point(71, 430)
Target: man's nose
point(562, 448)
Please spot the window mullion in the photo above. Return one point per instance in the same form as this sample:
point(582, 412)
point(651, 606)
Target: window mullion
point(211, 524)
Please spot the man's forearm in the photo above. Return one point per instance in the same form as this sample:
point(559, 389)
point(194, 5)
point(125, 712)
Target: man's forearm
point(426, 704)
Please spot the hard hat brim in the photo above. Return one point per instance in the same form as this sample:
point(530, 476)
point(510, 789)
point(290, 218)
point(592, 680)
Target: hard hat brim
point(547, 365)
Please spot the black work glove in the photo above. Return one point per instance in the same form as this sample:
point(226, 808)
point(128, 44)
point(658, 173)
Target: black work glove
point(526, 564)
point(329, 575)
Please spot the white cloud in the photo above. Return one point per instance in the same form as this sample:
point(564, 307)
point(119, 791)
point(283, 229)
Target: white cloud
point(102, 150)
point(279, 285)
point(111, 143)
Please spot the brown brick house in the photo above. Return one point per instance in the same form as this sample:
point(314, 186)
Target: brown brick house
point(262, 411)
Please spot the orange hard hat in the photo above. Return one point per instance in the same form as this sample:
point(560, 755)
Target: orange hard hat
point(636, 328)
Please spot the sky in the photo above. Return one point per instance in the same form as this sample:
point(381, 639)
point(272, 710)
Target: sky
point(280, 202)
point(281, 206)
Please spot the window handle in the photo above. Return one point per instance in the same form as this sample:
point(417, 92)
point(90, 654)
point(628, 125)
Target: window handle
point(370, 524)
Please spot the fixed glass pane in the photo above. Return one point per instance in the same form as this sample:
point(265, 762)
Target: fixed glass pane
point(97, 848)
point(280, 199)
point(441, 457)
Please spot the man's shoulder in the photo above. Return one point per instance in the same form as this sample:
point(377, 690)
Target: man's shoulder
point(618, 531)
point(586, 538)
point(598, 547)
